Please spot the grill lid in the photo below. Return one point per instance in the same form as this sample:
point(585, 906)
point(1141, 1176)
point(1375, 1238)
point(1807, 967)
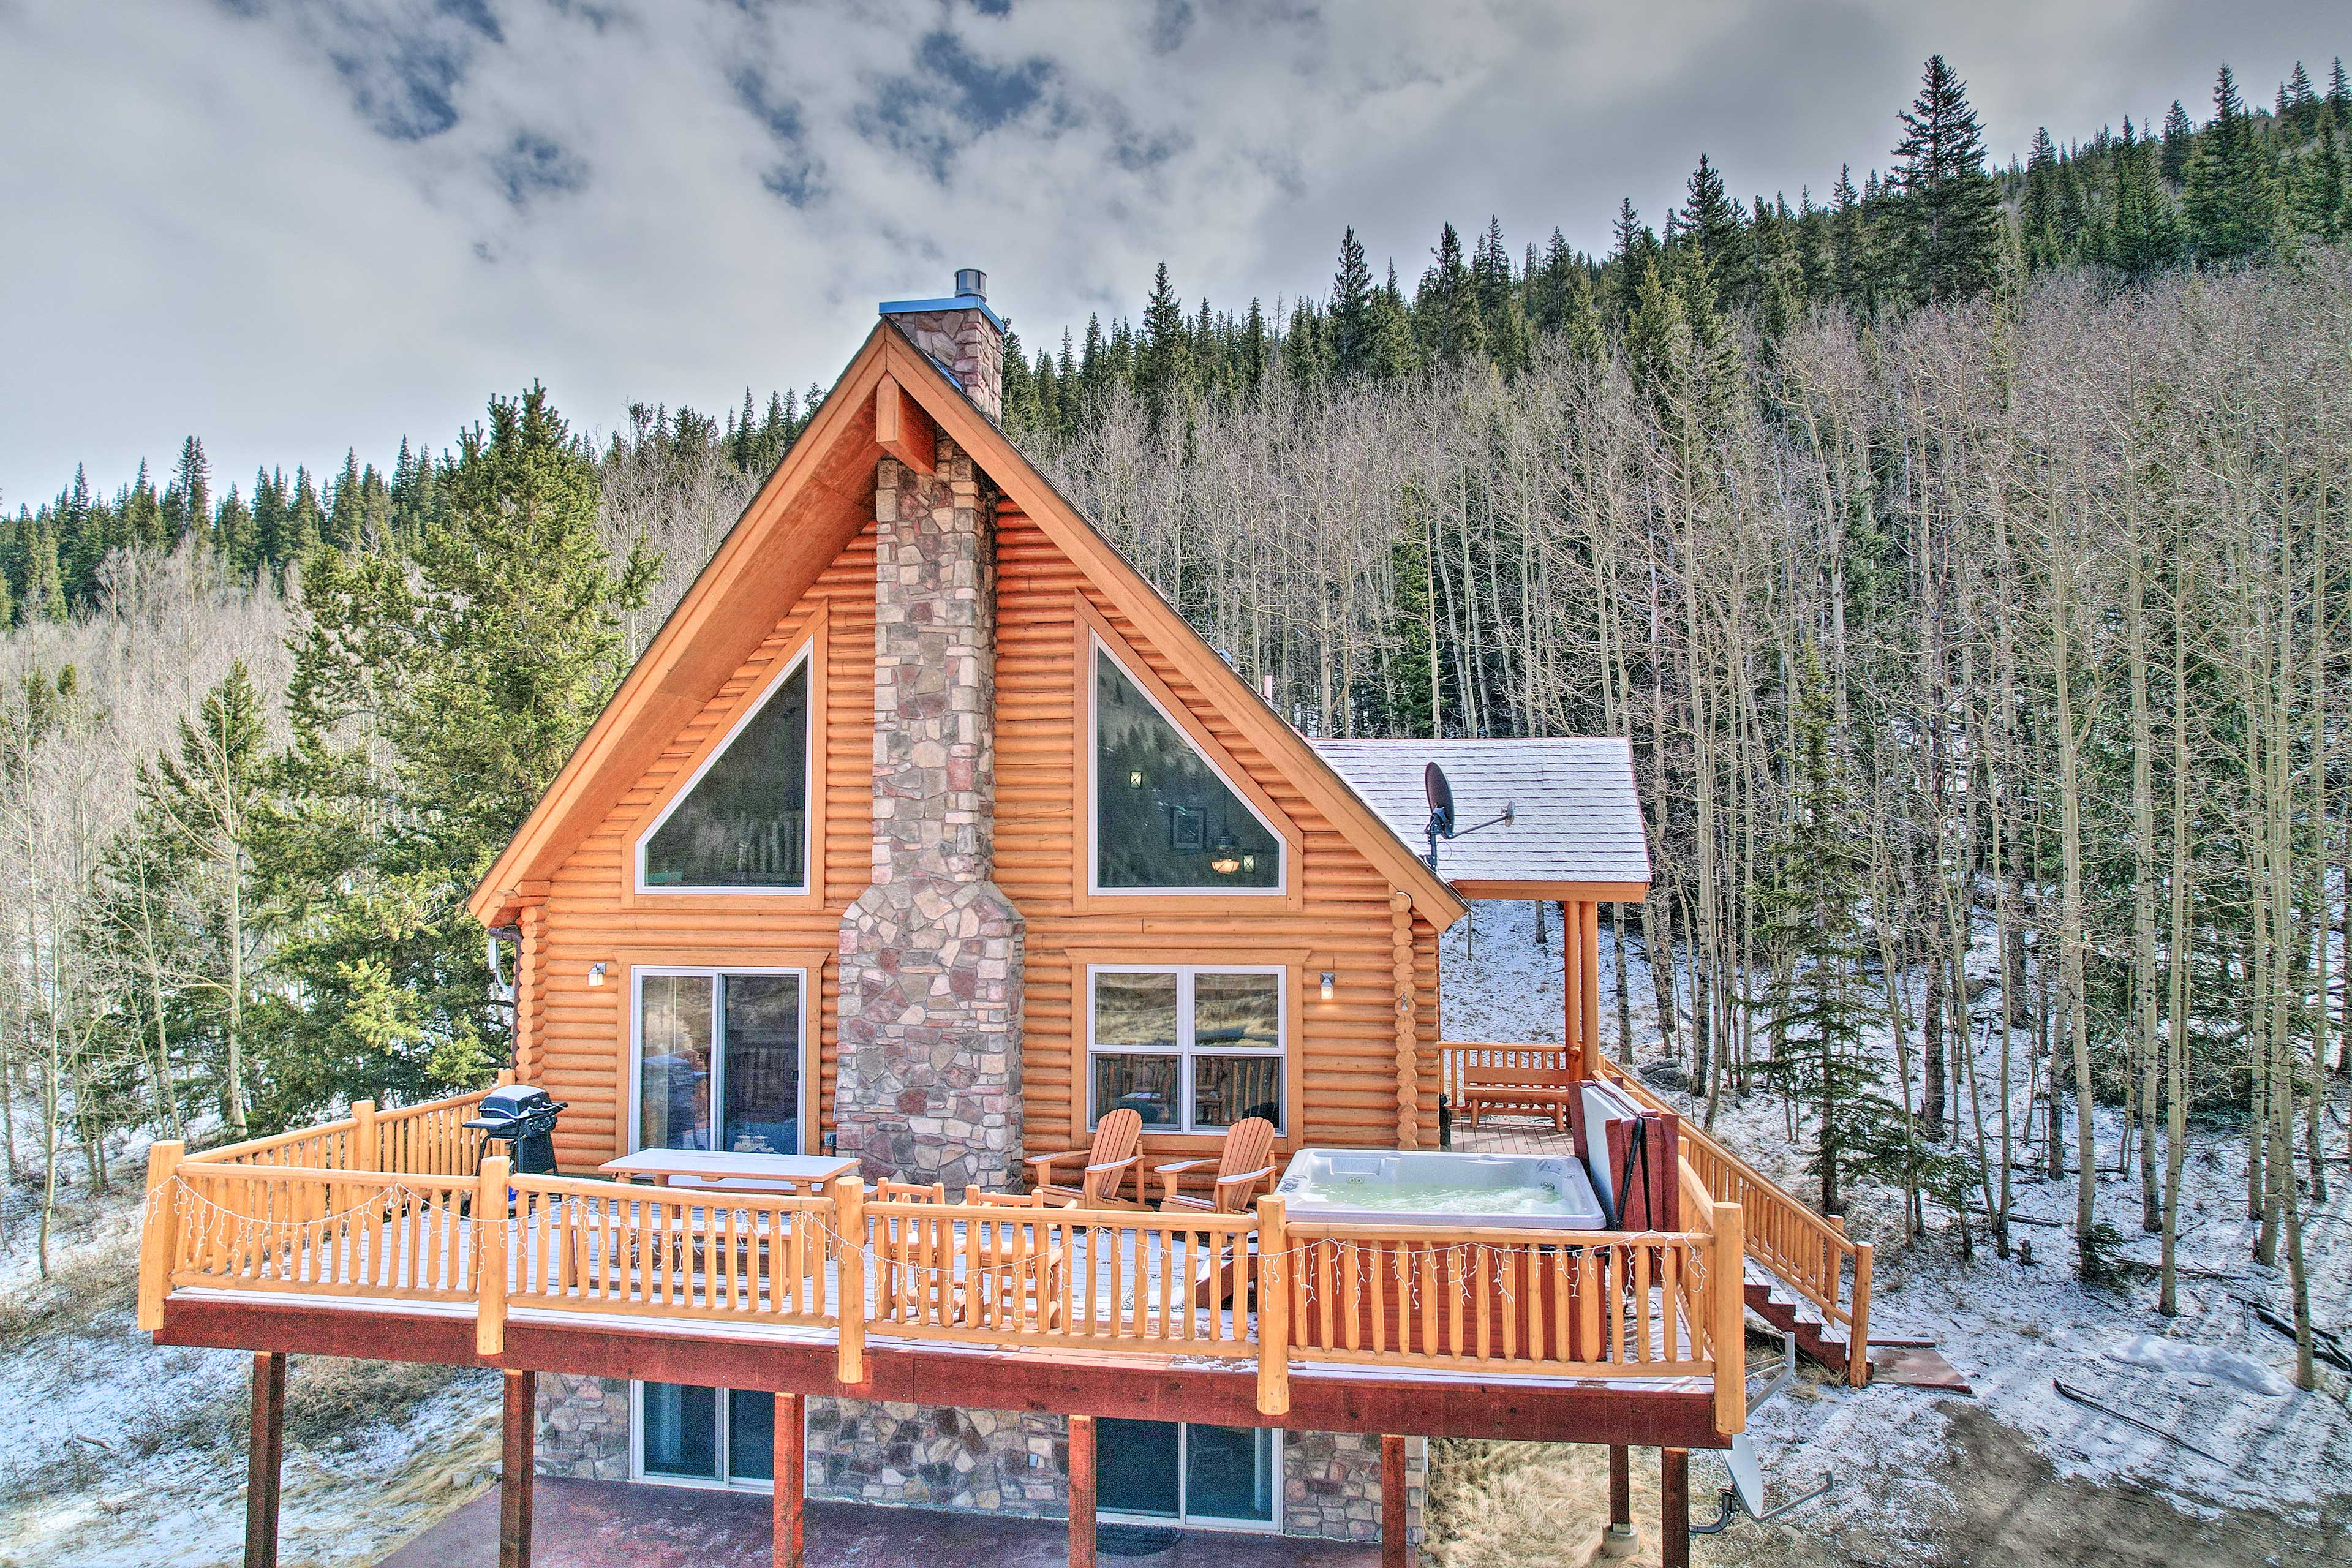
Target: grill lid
point(502, 1109)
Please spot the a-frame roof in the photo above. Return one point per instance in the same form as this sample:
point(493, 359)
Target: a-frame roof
point(819, 497)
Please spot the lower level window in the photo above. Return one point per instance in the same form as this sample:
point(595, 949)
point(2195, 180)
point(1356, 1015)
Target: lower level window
point(1186, 1471)
point(1193, 1048)
point(722, 1436)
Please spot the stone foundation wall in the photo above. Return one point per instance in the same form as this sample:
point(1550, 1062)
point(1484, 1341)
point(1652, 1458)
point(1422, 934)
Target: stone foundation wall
point(583, 1427)
point(1001, 1462)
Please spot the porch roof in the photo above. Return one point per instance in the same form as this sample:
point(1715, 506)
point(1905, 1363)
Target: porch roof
point(1576, 832)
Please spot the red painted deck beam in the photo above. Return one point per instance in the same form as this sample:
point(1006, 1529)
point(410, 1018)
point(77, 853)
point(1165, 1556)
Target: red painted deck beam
point(1082, 1491)
point(1396, 1542)
point(518, 1443)
point(1323, 1397)
point(792, 1478)
point(1674, 1508)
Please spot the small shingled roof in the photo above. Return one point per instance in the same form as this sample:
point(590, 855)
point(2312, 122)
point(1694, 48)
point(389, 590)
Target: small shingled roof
point(1576, 817)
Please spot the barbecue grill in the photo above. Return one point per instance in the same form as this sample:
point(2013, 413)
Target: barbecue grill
point(523, 1116)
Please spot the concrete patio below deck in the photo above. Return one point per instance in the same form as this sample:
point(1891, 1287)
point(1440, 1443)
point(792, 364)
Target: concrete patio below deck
point(594, 1524)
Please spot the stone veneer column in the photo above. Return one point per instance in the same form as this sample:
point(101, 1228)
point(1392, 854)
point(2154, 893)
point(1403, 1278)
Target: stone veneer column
point(929, 1032)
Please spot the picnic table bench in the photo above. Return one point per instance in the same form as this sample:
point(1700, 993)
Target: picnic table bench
point(1536, 1090)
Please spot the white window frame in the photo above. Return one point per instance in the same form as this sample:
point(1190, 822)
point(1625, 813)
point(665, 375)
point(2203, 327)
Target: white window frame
point(1281, 888)
point(716, 973)
point(1187, 1048)
point(812, 789)
point(1184, 1518)
point(726, 1480)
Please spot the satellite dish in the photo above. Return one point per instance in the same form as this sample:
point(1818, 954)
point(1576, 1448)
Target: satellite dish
point(1440, 799)
point(1747, 1475)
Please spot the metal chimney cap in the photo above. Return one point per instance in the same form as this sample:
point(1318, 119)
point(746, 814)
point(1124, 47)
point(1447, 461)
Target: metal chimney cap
point(971, 282)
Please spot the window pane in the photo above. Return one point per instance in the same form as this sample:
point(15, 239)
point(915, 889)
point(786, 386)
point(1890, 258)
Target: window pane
point(1135, 1465)
point(1227, 1089)
point(745, 822)
point(764, 1064)
point(1241, 1012)
point(673, 1062)
point(681, 1431)
point(1136, 1011)
point(1145, 1085)
point(1229, 1473)
point(751, 1435)
point(1162, 816)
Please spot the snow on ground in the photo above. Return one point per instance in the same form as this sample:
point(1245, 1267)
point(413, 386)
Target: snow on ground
point(117, 1452)
point(2215, 1376)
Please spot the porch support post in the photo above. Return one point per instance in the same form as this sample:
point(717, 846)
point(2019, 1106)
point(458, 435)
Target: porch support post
point(1572, 988)
point(1082, 1491)
point(792, 1476)
point(1674, 1508)
point(264, 1459)
point(516, 1463)
point(1396, 1548)
point(1621, 1539)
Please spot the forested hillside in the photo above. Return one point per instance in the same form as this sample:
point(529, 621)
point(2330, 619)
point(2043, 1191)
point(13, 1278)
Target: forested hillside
point(1965, 555)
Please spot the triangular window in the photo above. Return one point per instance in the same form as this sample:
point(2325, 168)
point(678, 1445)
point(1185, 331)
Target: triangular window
point(743, 822)
point(1164, 816)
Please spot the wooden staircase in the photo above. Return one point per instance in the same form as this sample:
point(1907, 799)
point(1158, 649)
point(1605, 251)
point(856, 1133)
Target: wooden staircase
point(1791, 1314)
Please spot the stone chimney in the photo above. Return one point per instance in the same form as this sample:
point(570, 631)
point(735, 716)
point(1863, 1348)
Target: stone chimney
point(962, 335)
point(930, 1026)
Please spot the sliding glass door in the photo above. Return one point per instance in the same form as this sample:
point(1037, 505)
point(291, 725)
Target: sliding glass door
point(1188, 1472)
point(718, 1059)
point(716, 1436)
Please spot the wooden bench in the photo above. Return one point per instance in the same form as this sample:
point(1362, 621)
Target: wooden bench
point(1535, 1090)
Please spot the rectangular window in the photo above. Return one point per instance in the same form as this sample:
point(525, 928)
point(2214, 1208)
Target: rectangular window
point(1227, 1477)
point(718, 1060)
point(1193, 1048)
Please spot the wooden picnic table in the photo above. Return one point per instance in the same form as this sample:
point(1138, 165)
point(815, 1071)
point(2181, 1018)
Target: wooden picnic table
point(813, 1174)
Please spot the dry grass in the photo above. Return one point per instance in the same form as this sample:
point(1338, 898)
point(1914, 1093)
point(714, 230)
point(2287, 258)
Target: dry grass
point(93, 1273)
point(331, 1401)
point(1527, 1505)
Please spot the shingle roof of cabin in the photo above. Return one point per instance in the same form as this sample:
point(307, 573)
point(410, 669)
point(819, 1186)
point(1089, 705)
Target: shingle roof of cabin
point(1577, 819)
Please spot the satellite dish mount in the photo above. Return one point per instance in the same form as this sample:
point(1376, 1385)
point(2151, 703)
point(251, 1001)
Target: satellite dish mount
point(1439, 793)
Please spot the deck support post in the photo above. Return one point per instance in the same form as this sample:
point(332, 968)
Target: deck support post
point(1082, 1491)
point(1621, 1539)
point(792, 1476)
point(1396, 1545)
point(1674, 1508)
point(516, 1463)
point(264, 1459)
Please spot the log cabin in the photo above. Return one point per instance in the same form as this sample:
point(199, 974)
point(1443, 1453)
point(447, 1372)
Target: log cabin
point(924, 833)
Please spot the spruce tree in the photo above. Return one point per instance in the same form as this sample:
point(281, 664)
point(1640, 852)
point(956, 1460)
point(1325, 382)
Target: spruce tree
point(1021, 406)
point(191, 482)
point(233, 535)
point(1636, 246)
point(1352, 309)
point(1950, 205)
point(1709, 223)
point(2340, 95)
point(2300, 112)
point(1166, 373)
point(2038, 216)
point(2178, 135)
point(2231, 202)
point(1446, 309)
point(2144, 239)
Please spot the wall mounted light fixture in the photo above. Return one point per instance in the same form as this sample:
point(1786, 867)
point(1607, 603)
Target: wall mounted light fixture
point(1328, 978)
point(595, 975)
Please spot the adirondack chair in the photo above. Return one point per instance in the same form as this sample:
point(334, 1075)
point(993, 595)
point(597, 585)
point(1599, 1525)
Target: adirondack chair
point(1244, 1170)
point(908, 1251)
point(1115, 1154)
point(1017, 1281)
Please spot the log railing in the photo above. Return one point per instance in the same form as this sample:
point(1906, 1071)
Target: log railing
point(423, 1140)
point(1810, 1254)
point(1257, 1290)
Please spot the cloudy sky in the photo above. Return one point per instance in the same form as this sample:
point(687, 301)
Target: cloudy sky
point(295, 226)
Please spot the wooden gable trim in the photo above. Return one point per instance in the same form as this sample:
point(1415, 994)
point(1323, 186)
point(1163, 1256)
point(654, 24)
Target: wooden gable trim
point(820, 495)
point(804, 640)
point(1157, 623)
point(1291, 898)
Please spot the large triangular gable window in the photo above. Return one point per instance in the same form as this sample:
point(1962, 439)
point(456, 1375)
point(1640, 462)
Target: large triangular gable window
point(1166, 819)
point(742, 823)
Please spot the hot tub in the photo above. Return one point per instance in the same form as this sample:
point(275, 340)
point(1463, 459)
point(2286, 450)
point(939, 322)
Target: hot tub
point(1381, 1186)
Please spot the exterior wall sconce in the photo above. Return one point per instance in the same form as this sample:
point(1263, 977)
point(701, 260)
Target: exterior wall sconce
point(595, 975)
point(1328, 978)
point(1135, 778)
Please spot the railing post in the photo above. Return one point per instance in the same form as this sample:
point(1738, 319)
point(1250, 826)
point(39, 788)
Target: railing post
point(849, 1295)
point(1857, 1344)
point(364, 1150)
point(1273, 1309)
point(1730, 1328)
point(156, 1235)
point(490, 1257)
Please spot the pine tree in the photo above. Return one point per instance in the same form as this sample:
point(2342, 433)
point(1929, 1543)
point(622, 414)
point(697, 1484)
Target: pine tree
point(45, 588)
point(1657, 340)
point(1850, 264)
point(2178, 137)
point(233, 535)
point(1445, 308)
point(1166, 373)
point(1710, 223)
point(1022, 410)
point(2144, 239)
point(1950, 205)
point(2300, 105)
point(1393, 351)
point(191, 487)
point(2039, 210)
point(2319, 195)
point(2340, 95)
point(2230, 203)
point(1636, 246)
point(1352, 310)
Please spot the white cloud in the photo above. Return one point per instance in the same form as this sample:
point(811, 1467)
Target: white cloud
point(249, 227)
